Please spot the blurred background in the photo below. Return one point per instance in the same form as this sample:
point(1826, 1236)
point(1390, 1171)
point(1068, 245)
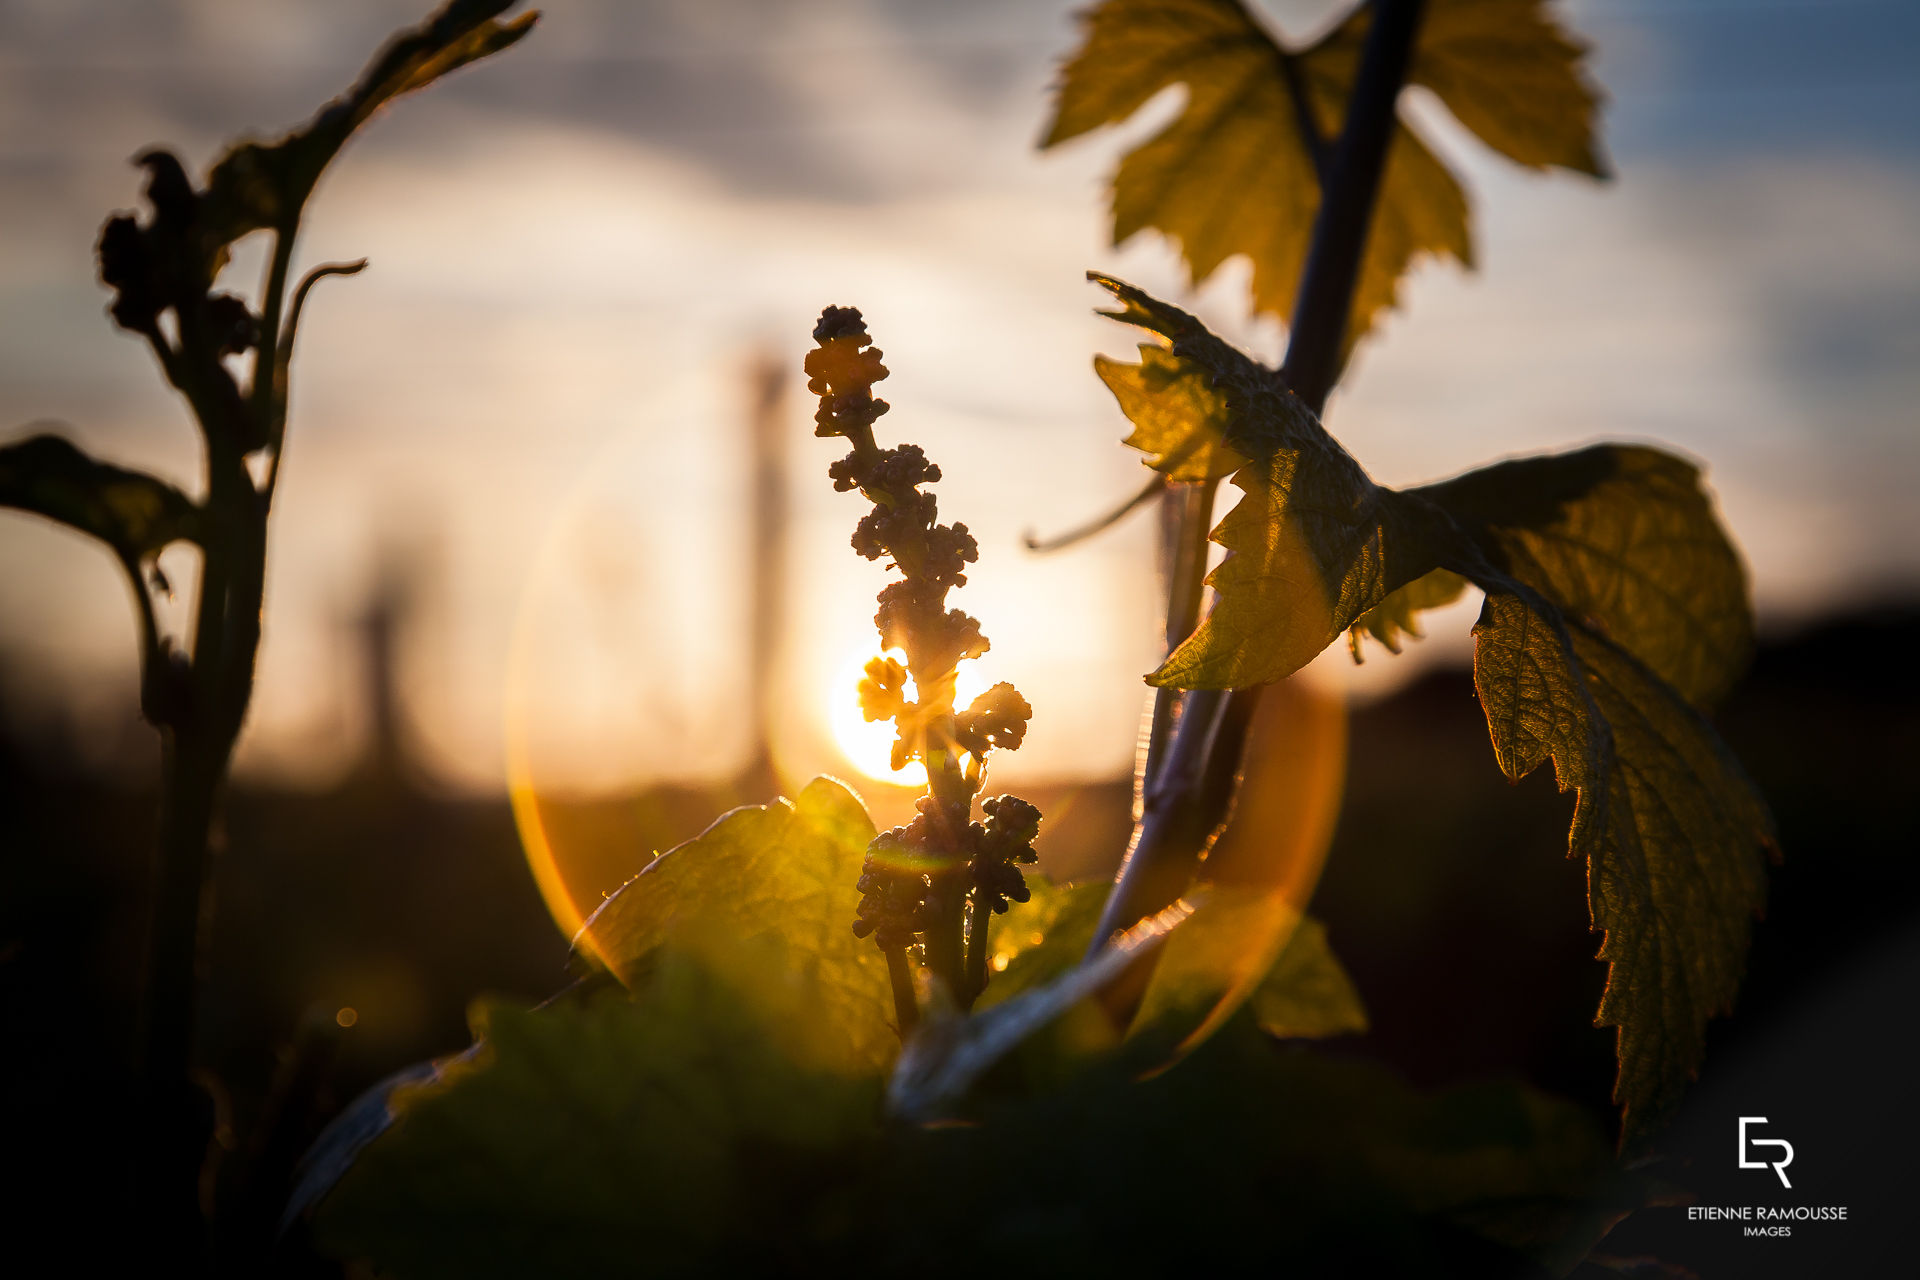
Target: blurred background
point(555, 524)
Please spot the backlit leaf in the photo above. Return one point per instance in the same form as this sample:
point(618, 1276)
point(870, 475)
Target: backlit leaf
point(134, 513)
point(1247, 1159)
point(1398, 614)
point(258, 185)
point(1043, 937)
point(1504, 68)
point(1234, 174)
point(1306, 995)
point(1623, 539)
point(1314, 542)
point(1616, 607)
point(662, 1134)
point(788, 870)
point(1673, 834)
point(669, 1137)
point(1179, 421)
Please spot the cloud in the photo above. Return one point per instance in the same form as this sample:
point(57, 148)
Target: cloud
point(574, 250)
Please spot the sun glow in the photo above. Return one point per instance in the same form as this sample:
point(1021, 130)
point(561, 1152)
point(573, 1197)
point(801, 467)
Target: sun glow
point(868, 744)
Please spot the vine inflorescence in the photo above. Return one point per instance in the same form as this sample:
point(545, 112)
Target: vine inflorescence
point(930, 886)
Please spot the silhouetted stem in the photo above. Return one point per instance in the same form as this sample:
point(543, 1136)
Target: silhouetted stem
point(176, 1113)
point(946, 902)
point(196, 751)
point(155, 673)
point(1174, 829)
point(978, 917)
point(1310, 135)
point(1184, 808)
point(265, 1173)
point(906, 1006)
point(1186, 585)
point(1317, 341)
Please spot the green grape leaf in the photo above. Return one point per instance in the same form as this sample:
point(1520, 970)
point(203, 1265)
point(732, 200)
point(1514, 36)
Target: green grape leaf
point(1673, 834)
point(789, 870)
point(1179, 421)
point(667, 1132)
point(134, 513)
point(1504, 68)
point(1306, 995)
point(1234, 173)
point(1397, 615)
point(1331, 1164)
point(260, 185)
point(1243, 947)
point(671, 1136)
point(1616, 608)
point(1038, 940)
point(1624, 540)
point(1315, 543)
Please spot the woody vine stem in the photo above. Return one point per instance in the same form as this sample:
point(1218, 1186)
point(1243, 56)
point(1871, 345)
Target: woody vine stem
point(1190, 768)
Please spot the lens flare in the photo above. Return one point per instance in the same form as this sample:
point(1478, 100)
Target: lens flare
point(1262, 871)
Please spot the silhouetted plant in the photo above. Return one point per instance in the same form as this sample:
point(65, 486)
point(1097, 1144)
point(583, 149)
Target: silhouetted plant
point(165, 270)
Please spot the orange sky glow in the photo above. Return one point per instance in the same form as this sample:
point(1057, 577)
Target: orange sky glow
point(537, 389)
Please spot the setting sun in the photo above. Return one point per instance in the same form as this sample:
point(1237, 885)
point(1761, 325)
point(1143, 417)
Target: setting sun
point(868, 744)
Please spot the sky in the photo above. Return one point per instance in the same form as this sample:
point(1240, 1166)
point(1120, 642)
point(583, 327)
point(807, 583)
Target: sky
point(535, 393)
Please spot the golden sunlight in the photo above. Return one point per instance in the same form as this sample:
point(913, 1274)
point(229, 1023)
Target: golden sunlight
point(868, 744)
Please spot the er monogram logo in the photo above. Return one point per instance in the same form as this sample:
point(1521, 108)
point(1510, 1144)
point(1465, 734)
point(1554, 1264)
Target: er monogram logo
point(1778, 1166)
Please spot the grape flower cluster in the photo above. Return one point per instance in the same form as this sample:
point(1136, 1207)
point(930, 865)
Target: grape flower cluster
point(930, 886)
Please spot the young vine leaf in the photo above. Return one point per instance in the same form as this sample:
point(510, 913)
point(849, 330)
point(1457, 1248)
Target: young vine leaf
point(134, 513)
point(1316, 544)
point(1179, 420)
point(1307, 995)
point(593, 1137)
point(1399, 613)
point(1341, 1169)
point(1239, 170)
point(1225, 954)
point(1672, 832)
point(1504, 68)
point(1616, 611)
point(263, 185)
point(1244, 947)
point(1624, 539)
point(170, 261)
point(783, 869)
point(669, 1136)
